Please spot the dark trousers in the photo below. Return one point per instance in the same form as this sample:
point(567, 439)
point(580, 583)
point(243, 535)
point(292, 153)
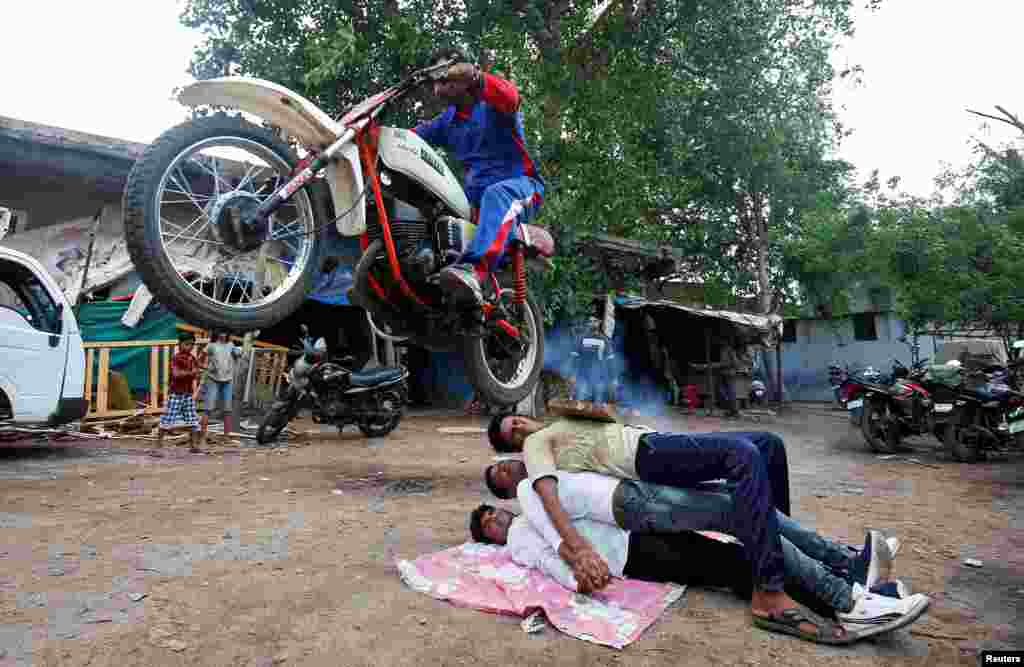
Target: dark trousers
point(695, 560)
point(747, 461)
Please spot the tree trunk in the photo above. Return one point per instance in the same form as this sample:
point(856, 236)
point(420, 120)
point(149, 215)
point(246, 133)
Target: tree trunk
point(772, 362)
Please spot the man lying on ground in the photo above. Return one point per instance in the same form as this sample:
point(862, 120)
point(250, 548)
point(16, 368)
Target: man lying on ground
point(689, 558)
point(755, 464)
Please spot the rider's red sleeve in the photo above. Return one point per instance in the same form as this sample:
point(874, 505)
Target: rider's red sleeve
point(500, 94)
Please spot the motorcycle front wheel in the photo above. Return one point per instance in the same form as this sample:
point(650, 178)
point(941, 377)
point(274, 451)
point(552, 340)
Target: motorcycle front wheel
point(186, 207)
point(501, 380)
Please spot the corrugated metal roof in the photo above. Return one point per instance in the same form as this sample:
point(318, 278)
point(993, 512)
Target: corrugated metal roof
point(765, 325)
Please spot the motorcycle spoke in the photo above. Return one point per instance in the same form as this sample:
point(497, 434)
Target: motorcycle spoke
point(246, 178)
point(290, 265)
point(185, 229)
point(217, 180)
point(186, 189)
point(198, 239)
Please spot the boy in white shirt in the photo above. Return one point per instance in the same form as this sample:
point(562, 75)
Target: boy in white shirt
point(684, 557)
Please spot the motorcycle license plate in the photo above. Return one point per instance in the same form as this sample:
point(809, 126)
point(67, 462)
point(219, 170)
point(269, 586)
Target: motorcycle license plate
point(943, 407)
point(853, 405)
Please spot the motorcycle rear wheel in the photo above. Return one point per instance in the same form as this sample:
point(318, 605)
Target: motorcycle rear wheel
point(959, 448)
point(378, 428)
point(205, 171)
point(878, 432)
point(281, 412)
point(495, 379)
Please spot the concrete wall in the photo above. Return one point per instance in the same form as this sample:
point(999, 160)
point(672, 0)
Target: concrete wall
point(821, 342)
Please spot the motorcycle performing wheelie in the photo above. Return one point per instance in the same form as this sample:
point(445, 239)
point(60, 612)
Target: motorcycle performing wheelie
point(373, 400)
point(223, 223)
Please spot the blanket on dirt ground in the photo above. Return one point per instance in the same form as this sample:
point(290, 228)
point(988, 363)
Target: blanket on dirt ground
point(484, 577)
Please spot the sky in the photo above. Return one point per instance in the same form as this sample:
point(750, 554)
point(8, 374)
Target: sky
point(925, 62)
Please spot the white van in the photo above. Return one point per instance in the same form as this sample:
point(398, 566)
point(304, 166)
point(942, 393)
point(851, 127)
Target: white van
point(42, 362)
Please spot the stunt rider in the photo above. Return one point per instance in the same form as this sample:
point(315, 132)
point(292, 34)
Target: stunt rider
point(483, 128)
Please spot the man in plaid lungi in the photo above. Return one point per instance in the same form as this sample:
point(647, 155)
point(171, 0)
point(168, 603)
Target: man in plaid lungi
point(181, 406)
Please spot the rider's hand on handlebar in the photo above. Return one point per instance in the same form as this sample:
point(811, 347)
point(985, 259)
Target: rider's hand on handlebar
point(465, 72)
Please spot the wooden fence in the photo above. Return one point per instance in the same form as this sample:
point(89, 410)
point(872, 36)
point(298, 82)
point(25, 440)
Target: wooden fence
point(262, 380)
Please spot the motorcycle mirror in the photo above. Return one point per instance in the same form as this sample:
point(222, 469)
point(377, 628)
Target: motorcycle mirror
point(304, 329)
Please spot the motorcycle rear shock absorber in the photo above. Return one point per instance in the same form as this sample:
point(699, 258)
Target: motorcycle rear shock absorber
point(519, 267)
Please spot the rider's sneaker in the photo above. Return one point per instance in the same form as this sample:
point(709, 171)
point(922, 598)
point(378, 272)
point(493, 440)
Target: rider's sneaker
point(460, 281)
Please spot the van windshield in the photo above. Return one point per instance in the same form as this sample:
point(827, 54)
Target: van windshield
point(23, 292)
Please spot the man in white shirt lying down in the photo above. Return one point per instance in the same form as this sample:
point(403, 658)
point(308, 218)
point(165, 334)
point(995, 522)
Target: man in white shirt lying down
point(664, 548)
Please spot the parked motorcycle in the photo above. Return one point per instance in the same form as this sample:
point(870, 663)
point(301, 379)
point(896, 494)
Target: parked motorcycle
point(893, 411)
point(975, 412)
point(849, 388)
point(223, 223)
point(837, 375)
point(373, 400)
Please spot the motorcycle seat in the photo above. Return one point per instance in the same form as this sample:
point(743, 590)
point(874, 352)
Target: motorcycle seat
point(538, 241)
point(375, 376)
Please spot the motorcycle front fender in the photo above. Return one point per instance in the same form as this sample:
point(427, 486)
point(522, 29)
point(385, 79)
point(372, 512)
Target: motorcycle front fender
point(302, 120)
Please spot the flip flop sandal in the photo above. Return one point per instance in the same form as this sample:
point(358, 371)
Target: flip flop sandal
point(788, 622)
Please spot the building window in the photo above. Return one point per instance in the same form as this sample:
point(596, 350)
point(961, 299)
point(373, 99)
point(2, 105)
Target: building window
point(864, 327)
point(789, 331)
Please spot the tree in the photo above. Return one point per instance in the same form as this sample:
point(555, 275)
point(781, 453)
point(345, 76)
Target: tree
point(758, 135)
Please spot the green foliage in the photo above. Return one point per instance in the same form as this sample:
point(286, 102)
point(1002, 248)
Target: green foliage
point(947, 264)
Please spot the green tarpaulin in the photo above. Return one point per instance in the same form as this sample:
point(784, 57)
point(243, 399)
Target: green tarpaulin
point(101, 321)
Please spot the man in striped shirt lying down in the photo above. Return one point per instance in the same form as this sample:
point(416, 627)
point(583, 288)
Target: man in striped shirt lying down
point(645, 531)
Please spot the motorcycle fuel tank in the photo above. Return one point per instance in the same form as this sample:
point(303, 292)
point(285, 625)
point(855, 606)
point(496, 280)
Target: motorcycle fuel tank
point(403, 151)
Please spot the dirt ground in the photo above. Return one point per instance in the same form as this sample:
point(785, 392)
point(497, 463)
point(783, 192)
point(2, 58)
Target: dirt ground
point(110, 556)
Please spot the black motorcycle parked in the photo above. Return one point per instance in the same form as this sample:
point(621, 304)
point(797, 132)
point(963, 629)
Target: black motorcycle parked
point(896, 410)
point(373, 400)
point(975, 413)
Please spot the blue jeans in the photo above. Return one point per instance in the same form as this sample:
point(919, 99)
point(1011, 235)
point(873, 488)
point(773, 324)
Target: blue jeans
point(755, 464)
point(590, 380)
point(215, 393)
point(503, 207)
point(810, 562)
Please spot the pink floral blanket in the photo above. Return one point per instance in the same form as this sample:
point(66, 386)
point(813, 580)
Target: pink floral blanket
point(484, 577)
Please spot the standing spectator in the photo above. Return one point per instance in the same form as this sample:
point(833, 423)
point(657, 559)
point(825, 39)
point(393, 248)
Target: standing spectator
point(733, 359)
point(181, 406)
point(220, 376)
point(593, 353)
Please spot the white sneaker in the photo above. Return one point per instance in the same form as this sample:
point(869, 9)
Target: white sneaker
point(871, 608)
point(874, 614)
point(894, 545)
